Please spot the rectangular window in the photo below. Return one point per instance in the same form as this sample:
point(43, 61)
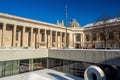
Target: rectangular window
point(94, 36)
point(17, 35)
point(29, 38)
point(15, 67)
point(87, 37)
point(78, 38)
point(42, 37)
point(2, 70)
point(8, 68)
point(102, 36)
point(62, 38)
point(24, 66)
point(53, 38)
point(37, 64)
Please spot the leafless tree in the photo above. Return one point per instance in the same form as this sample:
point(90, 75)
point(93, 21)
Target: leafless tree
point(104, 24)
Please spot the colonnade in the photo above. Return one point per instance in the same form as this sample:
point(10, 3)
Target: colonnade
point(112, 39)
point(12, 35)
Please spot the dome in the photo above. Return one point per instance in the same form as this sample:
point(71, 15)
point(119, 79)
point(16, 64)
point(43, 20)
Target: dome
point(73, 24)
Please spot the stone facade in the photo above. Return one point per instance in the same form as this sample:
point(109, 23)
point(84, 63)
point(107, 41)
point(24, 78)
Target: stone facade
point(21, 32)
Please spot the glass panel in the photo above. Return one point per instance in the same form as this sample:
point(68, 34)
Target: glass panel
point(72, 65)
point(24, 66)
point(8, 68)
point(15, 67)
point(51, 63)
point(2, 71)
point(66, 66)
point(37, 64)
point(44, 62)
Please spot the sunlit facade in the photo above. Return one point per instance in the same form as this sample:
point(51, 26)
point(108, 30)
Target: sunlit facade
point(21, 32)
point(28, 45)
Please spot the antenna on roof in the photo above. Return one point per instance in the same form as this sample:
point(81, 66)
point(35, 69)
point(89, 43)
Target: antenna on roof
point(66, 27)
point(66, 15)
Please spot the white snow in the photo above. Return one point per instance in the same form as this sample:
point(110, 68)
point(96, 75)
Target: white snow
point(45, 74)
point(101, 22)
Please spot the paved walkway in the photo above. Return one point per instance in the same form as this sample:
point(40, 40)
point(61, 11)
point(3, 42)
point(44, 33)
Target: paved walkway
point(45, 74)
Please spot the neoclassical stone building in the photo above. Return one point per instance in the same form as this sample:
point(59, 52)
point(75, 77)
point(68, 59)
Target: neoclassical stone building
point(22, 32)
point(103, 34)
point(25, 43)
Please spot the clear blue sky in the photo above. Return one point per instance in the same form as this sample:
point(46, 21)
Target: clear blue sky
point(84, 11)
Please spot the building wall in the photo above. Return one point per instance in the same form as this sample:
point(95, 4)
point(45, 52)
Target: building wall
point(108, 57)
point(19, 54)
point(30, 34)
point(68, 61)
point(26, 27)
point(103, 36)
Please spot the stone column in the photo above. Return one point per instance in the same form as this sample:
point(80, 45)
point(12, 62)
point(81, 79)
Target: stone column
point(3, 34)
point(71, 40)
point(31, 38)
point(38, 42)
point(61, 40)
point(117, 36)
point(65, 40)
point(83, 40)
point(50, 38)
point(31, 65)
point(56, 40)
point(98, 36)
point(14, 35)
point(68, 40)
point(45, 38)
point(91, 38)
point(23, 33)
point(74, 40)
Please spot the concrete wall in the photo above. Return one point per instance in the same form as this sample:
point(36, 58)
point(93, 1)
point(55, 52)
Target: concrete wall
point(18, 54)
point(110, 57)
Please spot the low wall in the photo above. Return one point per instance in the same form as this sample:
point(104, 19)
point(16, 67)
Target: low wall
point(18, 54)
point(110, 57)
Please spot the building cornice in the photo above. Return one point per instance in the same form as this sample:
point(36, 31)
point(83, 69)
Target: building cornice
point(2, 15)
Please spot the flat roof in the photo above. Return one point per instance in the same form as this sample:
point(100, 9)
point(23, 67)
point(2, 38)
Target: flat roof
point(45, 74)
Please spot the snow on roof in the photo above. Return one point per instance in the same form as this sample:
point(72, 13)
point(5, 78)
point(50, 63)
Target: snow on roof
point(101, 22)
point(45, 74)
point(88, 25)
